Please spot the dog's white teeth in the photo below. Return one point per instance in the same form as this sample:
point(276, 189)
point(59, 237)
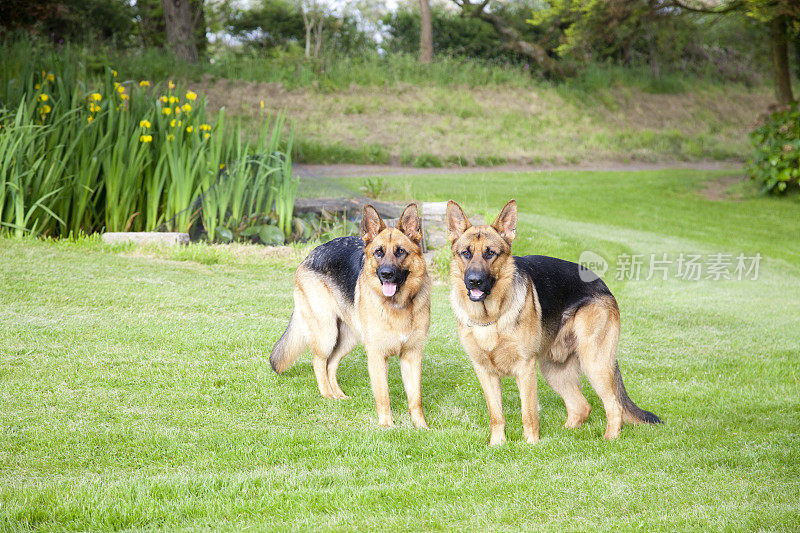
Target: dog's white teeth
point(389, 289)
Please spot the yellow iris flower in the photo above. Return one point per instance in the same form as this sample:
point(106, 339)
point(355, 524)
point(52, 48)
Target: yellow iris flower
point(167, 111)
point(144, 124)
point(144, 83)
point(43, 97)
point(191, 96)
point(186, 107)
point(145, 138)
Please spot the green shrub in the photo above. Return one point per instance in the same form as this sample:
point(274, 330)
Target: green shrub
point(317, 152)
point(374, 187)
point(776, 160)
point(427, 161)
point(490, 160)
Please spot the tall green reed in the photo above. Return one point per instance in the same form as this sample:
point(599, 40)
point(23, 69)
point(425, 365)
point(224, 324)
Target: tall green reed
point(78, 157)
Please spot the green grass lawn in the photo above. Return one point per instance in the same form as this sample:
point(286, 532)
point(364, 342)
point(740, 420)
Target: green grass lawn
point(137, 393)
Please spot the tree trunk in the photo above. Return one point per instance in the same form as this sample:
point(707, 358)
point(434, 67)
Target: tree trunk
point(179, 25)
point(307, 25)
point(652, 51)
point(780, 61)
point(425, 32)
point(200, 38)
point(318, 37)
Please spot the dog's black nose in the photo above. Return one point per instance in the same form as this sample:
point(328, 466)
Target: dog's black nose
point(474, 280)
point(387, 273)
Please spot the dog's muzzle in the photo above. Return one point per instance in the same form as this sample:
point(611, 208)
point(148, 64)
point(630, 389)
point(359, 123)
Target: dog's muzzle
point(479, 284)
point(391, 277)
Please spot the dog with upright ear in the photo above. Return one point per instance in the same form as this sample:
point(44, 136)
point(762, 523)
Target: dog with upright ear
point(506, 222)
point(372, 289)
point(410, 223)
point(516, 313)
point(457, 222)
point(371, 224)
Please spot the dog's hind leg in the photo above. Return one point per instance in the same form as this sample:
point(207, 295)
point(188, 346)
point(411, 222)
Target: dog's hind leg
point(597, 334)
point(564, 378)
point(318, 306)
point(344, 344)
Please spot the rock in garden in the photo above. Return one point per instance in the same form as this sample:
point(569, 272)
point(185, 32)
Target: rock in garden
point(146, 237)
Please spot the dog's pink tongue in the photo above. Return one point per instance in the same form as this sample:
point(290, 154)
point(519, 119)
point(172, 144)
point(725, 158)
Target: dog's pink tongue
point(475, 293)
point(389, 289)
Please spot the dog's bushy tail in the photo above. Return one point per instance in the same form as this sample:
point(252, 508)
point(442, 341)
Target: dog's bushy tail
point(289, 346)
point(631, 412)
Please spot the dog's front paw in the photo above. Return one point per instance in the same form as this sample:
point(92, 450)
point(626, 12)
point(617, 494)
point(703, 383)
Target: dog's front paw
point(497, 440)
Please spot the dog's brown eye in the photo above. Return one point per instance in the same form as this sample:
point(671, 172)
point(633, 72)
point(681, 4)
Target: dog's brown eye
point(379, 253)
point(488, 254)
point(399, 252)
point(467, 254)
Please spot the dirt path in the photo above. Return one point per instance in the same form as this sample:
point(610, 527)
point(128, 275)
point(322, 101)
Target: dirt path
point(358, 171)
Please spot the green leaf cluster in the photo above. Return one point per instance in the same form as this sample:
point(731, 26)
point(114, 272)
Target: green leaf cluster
point(776, 158)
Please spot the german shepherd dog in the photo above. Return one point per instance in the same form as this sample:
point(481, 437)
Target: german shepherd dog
point(374, 289)
point(516, 312)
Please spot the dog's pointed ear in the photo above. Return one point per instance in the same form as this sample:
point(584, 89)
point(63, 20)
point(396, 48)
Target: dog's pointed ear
point(506, 223)
point(371, 224)
point(457, 222)
point(410, 223)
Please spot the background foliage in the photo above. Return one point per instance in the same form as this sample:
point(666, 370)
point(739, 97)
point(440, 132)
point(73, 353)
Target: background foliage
point(776, 159)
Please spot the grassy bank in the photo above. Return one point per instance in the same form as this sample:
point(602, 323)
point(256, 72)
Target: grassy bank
point(430, 126)
point(454, 112)
point(137, 393)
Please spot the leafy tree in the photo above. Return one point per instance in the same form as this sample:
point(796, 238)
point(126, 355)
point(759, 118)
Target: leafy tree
point(452, 34)
point(70, 20)
point(150, 23)
point(621, 30)
point(272, 24)
point(511, 38)
point(267, 25)
point(781, 19)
